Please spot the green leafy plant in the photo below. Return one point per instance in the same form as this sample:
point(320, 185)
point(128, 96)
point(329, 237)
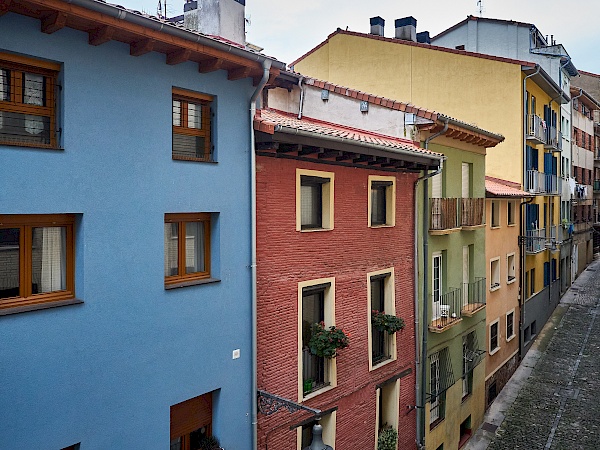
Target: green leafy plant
point(325, 342)
point(210, 443)
point(386, 322)
point(387, 439)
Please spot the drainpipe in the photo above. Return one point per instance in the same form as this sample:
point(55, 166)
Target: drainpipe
point(421, 394)
point(525, 122)
point(522, 295)
point(259, 88)
point(301, 106)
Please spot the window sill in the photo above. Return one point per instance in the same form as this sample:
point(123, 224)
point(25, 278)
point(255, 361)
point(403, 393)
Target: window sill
point(511, 225)
point(511, 281)
point(191, 159)
point(466, 397)
point(511, 338)
point(311, 230)
point(32, 146)
point(191, 283)
point(435, 423)
point(493, 352)
point(319, 392)
point(382, 363)
point(494, 288)
point(39, 306)
point(383, 225)
point(495, 227)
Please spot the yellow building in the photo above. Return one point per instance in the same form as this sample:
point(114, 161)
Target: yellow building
point(514, 98)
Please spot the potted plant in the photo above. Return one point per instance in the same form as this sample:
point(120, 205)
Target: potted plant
point(210, 443)
point(325, 342)
point(565, 223)
point(308, 385)
point(388, 437)
point(386, 322)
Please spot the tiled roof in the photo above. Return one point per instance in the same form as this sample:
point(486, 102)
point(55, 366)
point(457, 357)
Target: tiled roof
point(413, 44)
point(504, 188)
point(267, 120)
point(589, 73)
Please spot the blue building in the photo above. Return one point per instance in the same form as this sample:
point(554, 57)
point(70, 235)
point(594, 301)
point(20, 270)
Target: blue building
point(125, 229)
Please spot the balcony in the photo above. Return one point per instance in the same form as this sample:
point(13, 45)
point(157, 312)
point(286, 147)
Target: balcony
point(535, 241)
point(473, 297)
point(553, 140)
point(543, 183)
point(552, 232)
point(583, 192)
point(472, 213)
point(446, 310)
point(444, 216)
point(596, 185)
point(535, 131)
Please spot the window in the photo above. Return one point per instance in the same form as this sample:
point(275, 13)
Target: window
point(546, 273)
point(465, 432)
point(467, 378)
point(494, 274)
point(381, 299)
point(494, 346)
point(316, 303)
point(187, 248)
point(510, 268)
point(387, 406)
point(510, 212)
point(495, 213)
point(533, 329)
point(36, 259)
point(382, 201)
point(510, 325)
point(191, 422)
point(305, 435)
point(27, 101)
point(437, 285)
point(314, 200)
point(532, 282)
point(192, 123)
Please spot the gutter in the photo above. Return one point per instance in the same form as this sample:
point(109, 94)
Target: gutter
point(112, 11)
point(254, 392)
point(420, 361)
point(473, 128)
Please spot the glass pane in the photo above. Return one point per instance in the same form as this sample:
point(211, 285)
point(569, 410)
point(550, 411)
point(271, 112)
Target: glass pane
point(48, 259)
point(185, 146)
point(34, 92)
point(9, 262)
point(378, 212)
point(171, 249)
point(4, 86)
point(194, 247)
point(176, 113)
point(310, 206)
point(15, 127)
point(313, 367)
point(194, 115)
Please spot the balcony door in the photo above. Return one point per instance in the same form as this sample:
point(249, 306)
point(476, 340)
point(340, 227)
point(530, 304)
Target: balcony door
point(436, 292)
point(466, 276)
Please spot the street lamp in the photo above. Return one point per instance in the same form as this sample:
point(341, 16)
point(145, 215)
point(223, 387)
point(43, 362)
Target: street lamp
point(317, 439)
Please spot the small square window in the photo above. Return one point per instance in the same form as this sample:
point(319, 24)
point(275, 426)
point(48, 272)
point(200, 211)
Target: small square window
point(510, 212)
point(314, 200)
point(494, 274)
point(187, 247)
point(382, 201)
point(37, 263)
point(192, 126)
point(495, 214)
point(494, 345)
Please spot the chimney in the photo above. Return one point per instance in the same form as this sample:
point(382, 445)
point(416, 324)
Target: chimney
point(377, 24)
point(406, 29)
point(224, 18)
point(423, 37)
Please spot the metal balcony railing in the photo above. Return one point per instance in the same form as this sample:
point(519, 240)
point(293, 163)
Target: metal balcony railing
point(472, 212)
point(444, 214)
point(596, 185)
point(446, 309)
point(535, 130)
point(474, 295)
point(552, 138)
point(552, 231)
point(543, 183)
point(535, 240)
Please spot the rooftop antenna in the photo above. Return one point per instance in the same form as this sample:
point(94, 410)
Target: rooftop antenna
point(480, 6)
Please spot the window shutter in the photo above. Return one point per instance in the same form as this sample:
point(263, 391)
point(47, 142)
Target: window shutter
point(465, 181)
point(190, 415)
point(436, 186)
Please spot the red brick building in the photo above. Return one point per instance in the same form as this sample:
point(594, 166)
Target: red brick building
point(335, 244)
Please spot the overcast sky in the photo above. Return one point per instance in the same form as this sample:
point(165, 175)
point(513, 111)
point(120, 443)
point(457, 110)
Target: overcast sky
point(287, 29)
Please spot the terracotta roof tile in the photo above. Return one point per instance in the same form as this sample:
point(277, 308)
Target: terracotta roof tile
point(504, 188)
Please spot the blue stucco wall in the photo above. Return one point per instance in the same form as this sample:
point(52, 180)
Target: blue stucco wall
point(104, 373)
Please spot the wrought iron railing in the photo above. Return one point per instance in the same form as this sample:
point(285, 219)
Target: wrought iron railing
point(444, 213)
point(473, 294)
point(543, 183)
point(472, 212)
point(552, 138)
point(535, 240)
point(446, 308)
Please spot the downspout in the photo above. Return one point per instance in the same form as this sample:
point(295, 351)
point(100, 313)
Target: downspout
point(301, 106)
point(259, 88)
point(522, 295)
point(421, 394)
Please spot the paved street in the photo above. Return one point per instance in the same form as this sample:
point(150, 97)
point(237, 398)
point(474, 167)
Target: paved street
point(552, 401)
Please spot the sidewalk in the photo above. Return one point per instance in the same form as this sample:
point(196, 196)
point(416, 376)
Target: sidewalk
point(546, 411)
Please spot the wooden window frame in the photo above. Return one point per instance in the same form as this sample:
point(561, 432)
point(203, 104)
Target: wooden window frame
point(494, 350)
point(181, 219)
point(18, 65)
point(206, 101)
point(25, 223)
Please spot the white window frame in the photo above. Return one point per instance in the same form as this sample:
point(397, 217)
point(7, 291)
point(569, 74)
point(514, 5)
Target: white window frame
point(491, 350)
point(390, 201)
point(327, 193)
point(511, 270)
point(390, 308)
point(494, 278)
point(510, 338)
point(329, 315)
point(435, 256)
point(392, 392)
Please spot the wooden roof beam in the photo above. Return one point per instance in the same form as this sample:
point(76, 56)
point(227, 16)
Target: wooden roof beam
point(141, 47)
point(238, 73)
point(330, 154)
point(346, 156)
point(53, 22)
point(309, 150)
point(101, 35)
point(210, 65)
point(178, 56)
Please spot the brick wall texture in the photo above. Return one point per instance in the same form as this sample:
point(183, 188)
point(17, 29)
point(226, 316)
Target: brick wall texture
point(348, 252)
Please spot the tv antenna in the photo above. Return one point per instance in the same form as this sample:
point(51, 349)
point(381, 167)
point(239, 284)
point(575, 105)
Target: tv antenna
point(480, 6)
